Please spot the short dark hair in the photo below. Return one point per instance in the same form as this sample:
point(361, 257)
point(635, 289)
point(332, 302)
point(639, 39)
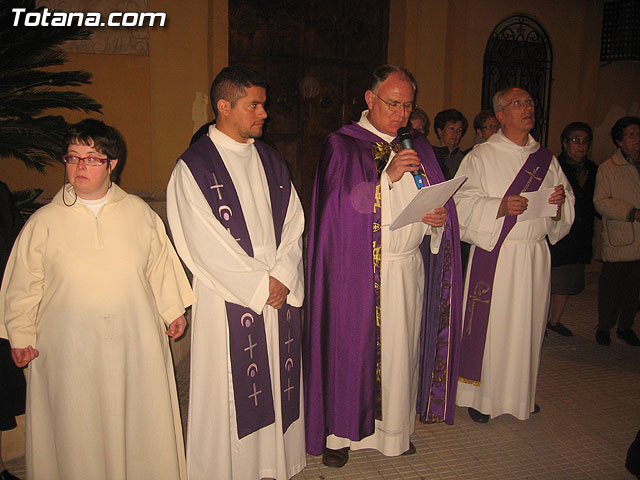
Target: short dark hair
point(617, 131)
point(104, 138)
point(575, 127)
point(230, 84)
point(483, 116)
point(381, 73)
point(451, 115)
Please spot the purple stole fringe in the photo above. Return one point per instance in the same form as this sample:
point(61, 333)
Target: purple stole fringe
point(483, 271)
point(252, 386)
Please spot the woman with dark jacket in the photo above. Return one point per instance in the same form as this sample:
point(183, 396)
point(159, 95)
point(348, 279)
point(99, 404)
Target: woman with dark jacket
point(12, 384)
point(573, 252)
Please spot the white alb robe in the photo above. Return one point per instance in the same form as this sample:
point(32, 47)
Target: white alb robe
point(520, 300)
point(222, 271)
point(94, 294)
point(401, 297)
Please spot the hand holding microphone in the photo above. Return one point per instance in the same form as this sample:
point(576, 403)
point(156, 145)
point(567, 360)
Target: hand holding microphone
point(406, 160)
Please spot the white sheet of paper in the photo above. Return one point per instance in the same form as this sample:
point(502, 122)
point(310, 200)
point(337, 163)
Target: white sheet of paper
point(538, 205)
point(426, 200)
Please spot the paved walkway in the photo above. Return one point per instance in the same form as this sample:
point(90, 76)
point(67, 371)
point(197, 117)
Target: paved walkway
point(589, 397)
point(590, 412)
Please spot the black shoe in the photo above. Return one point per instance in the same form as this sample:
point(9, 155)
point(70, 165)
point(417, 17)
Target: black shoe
point(5, 475)
point(560, 329)
point(603, 337)
point(412, 450)
point(476, 416)
point(536, 409)
point(628, 336)
point(335, 458)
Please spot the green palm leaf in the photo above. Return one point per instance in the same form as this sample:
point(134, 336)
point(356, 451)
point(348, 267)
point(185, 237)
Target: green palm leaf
point(28, 89)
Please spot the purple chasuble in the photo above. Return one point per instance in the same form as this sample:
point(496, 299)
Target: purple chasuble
point(340, 324)
point(483, 271)
point(247, 338)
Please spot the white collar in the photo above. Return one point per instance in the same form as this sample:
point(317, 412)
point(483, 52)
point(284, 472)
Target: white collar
point(498, 139)
point(225, 141)
point(367, 125)
point(95, 203)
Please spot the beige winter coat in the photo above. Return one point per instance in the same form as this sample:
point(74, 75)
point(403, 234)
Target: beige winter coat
point(616, 194)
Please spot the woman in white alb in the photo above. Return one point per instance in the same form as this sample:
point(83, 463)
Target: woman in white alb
point(91, 291)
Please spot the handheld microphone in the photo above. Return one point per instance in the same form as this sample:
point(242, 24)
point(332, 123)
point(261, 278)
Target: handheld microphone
point(404, 137)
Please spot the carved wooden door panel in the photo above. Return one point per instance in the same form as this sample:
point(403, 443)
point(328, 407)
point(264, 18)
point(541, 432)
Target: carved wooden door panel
point(317, 56)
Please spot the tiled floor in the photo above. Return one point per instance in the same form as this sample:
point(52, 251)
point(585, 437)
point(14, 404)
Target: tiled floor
point(590, 412)
point(589, 397)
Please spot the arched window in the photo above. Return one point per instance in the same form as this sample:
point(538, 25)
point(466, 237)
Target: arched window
point(518, 54)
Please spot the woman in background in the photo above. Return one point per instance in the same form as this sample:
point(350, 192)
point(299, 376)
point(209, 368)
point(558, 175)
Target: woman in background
point(12, 385)
point(573, 252)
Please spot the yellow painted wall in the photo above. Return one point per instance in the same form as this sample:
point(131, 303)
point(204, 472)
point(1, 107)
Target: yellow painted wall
point(120, 84)
point(618, 95)
point(443, 43)
point(159, 100)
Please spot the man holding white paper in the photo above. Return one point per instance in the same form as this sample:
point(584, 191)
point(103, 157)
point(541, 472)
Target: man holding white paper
point(383, 317)
point(507, 283)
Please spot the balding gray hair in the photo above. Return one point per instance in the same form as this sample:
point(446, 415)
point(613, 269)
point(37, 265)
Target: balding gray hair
point(498, 104)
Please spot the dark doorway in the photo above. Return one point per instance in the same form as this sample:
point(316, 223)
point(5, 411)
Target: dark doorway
point(518, 54)
point(317, 56)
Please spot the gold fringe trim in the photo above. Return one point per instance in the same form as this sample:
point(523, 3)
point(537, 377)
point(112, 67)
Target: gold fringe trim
point(470, 382)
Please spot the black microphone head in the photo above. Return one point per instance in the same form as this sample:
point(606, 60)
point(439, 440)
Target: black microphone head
point(404, 137)
point(404, 132)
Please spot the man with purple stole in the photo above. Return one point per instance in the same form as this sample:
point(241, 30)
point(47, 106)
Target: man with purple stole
point(507, 282)
point(237, 224)
point(383, 317)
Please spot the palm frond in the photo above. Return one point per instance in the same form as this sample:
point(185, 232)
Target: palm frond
point(37, 142)
point(18, 81)
point(34, 102)
point(28, 90)
point(10, 62)
point(25, 201)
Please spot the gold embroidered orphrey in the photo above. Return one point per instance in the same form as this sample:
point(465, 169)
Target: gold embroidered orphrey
point(381, 152)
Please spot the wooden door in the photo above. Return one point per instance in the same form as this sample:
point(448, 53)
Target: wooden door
point(317, 56)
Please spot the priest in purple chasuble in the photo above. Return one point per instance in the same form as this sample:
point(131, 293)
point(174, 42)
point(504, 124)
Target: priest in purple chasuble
point(383, 311)
point(237, 224)
point(508, 276)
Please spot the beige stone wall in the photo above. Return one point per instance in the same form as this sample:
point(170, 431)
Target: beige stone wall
point(617, 95)
point(157, 97)
point(443, 43)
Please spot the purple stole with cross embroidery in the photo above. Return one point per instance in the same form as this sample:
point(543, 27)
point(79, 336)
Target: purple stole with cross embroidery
point(247, 338)
point(483, 271)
